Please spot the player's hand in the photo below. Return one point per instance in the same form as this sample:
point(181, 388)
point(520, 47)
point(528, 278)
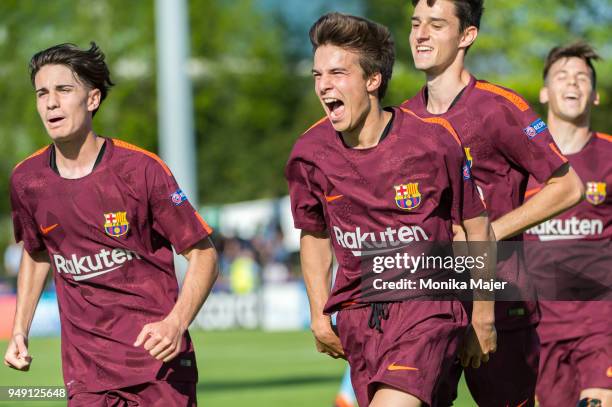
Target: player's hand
point(326, 339)
point(16, 355)
point(480, 340)
point(162, 339)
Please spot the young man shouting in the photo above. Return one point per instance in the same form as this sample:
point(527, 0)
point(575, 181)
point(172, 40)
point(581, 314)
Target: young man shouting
point(365, 179)
point(106, 215)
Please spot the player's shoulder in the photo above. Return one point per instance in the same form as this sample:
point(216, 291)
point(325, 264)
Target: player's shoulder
point(414, 103)
point(438, 129)
point(604, 139)
point(489, 95)
point(316, 136)
point(34, 162)
point(131, 154)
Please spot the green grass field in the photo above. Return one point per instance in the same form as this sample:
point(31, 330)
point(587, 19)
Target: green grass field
point(237, 368)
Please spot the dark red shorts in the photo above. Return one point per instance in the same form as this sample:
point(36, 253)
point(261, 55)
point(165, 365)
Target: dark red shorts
point(567, 367)
point(416, 347)
point(158, 393)
point(507, 379)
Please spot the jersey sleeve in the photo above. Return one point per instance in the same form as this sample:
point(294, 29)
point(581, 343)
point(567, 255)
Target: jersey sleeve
point(523, 138)
point(24, 226)
point(306, 206)
point(173, 216)
point(467, 203)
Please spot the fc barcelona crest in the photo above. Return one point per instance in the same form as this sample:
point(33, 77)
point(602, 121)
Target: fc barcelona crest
point(407, 196)
point(116, 224)
point(596, 192)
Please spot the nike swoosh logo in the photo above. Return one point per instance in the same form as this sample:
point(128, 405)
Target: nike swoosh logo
point(332, 198)
point(609, 372)
point(90, 275)
point(392, 367)
point(48, 228)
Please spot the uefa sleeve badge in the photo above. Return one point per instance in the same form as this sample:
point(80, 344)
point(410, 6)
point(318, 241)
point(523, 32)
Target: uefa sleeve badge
point(178, 197)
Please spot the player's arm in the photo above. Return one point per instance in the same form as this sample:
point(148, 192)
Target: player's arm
point(33, 272)
point(163, 338)
point(473, 235)
point(562, 190)
point(481, 336)
point(316, 261)
point(523, 138)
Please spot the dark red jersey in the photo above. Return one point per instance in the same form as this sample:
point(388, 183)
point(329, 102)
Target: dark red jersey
point(409, 188)
point(576, 248)
point(109, 236)
point(505, 141)
point(591, 219)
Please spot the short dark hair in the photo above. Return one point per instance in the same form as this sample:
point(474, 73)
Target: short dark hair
point(578, 49)
point(469, 12)
point(88, 65)
point(371, 40)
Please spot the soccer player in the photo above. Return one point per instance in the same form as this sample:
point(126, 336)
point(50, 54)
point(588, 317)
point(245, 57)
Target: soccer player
point(576, 336)
point(363, 179)
point(106, 215)
point(505, 142)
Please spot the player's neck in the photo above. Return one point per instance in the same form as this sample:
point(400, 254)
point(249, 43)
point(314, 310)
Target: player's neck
point(443, 87)
point(76, 158)
point(368, 134)
point(571, 137)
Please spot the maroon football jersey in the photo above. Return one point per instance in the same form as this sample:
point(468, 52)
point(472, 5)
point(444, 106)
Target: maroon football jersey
point(409, 188)
point(559, 255)
point(504, 143)
point(109, 236)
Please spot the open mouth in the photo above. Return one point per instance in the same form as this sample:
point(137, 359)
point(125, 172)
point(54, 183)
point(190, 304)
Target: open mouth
point(571, 98)
point(424, 49)
point(55, 120)
point(335, 107)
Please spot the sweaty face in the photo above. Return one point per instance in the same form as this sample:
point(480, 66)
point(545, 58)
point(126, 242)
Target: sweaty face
point(569, 89)
point(435, 37)
point(341, 86)
point(63, 102)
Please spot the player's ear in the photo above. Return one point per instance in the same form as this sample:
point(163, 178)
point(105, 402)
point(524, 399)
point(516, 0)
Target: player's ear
point(468, 37)
point(94, 97)
point(544, 95)
point(374, 82)
point(596, 98)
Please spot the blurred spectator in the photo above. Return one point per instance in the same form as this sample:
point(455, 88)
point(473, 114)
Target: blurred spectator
point(12, 258)
point(246, 264)
point(244, 272)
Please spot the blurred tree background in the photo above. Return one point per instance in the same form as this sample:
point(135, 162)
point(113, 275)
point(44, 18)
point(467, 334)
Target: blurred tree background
point(250, 66)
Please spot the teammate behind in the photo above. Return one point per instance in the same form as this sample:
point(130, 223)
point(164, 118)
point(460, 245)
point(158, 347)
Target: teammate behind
point(505, 142)
point(576, 355)
point(364, 178)
point(106, 214)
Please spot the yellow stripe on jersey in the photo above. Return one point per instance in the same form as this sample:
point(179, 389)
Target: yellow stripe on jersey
point(128, 146)
point(316, 124)
point(604, 136)
point(36, 153)
point(436, 120)
point(514, 99)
